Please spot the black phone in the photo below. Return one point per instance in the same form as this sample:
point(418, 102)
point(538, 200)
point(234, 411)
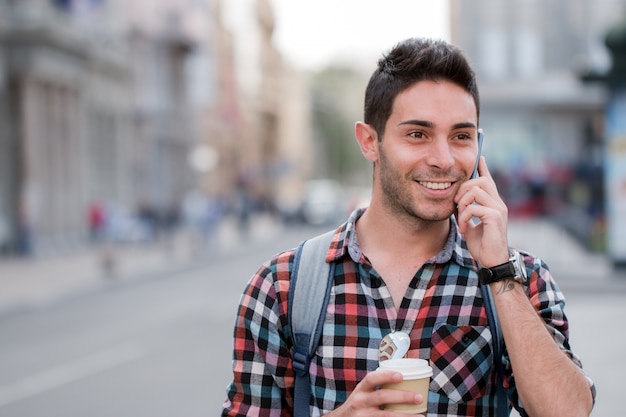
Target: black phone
point(480, 148)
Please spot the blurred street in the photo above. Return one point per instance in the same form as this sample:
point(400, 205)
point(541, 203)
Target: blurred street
point(154, 153)
point(47, 279)
point(156, 340)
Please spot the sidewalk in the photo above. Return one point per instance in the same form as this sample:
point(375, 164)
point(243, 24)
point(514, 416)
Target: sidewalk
point(35, 282)
point(571, 264)
point(29, 283)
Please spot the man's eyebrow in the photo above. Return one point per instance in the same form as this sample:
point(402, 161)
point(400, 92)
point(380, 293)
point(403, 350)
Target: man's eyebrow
point(423, 123)
point(431, 125)
point(464, 125)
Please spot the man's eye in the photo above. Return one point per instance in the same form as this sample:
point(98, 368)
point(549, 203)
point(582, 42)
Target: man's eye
point(463, 136)
point(416, 134)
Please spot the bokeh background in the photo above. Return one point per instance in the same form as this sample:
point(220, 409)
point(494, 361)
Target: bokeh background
point(153, 153)
point(121, 118)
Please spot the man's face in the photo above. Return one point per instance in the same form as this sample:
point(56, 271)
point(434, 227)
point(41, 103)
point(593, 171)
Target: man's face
point(429, 148)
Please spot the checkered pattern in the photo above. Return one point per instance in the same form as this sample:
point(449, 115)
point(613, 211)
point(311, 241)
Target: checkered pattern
point(442, 310)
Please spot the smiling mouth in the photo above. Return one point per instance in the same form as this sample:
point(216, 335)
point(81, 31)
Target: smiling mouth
point(435, 185)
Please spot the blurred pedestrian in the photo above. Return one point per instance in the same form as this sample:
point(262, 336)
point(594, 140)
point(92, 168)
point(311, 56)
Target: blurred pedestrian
point(5, 234)
point(414, 261)
point(25, 230)
point(243, 203)
point(101, 225)
point(97, 220)
point(194, 214)
point(214, 214)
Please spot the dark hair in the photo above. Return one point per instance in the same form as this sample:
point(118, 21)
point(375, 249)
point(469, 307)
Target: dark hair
point(411, 61)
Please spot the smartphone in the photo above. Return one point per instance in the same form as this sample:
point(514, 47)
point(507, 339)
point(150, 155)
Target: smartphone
point(480, 148)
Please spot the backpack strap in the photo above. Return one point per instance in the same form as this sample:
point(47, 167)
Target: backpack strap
point(502, 402)
point(308, 299)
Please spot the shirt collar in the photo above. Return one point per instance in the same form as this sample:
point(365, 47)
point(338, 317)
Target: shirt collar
point(345, 242)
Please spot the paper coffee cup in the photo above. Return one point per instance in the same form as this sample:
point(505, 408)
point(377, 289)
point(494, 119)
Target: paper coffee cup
point(416, 378)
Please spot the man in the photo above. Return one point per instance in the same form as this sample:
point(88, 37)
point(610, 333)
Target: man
point(410, 262)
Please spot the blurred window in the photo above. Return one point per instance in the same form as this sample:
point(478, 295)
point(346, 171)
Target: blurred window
point(493, 53)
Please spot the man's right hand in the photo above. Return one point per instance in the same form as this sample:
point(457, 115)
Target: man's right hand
point(368, 400)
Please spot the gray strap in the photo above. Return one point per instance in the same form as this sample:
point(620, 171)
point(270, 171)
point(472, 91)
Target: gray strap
point(308, 298)
point(310, 286)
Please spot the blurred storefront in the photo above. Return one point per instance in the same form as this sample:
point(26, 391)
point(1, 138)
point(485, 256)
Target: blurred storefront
point(615, 143)
point(544, 126)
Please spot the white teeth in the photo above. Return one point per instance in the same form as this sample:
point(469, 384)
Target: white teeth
point(436, 185)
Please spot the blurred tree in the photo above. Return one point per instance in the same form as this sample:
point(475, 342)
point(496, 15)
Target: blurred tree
point(337, 95)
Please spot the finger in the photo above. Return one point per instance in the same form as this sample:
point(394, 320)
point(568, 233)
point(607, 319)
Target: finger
point(480, 195)
point(486, 214)
point(484, 193)
point(469, 212)
point(468, 199)
point(369, 395)
point(396, 396)
point(381, 377)
point(485, 208)
point(485, 184)
point(483, 169)
point(468, 187)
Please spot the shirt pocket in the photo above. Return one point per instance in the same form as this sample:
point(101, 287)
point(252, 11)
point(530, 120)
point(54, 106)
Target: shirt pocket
point(461, 358)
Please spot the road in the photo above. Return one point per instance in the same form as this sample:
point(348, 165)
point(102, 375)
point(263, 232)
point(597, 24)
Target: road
point(161, 347)
point(158, 347)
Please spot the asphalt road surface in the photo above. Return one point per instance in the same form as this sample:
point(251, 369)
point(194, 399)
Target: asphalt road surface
point(161, 347)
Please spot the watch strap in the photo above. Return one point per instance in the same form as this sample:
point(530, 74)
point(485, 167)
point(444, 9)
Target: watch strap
point(496, 273)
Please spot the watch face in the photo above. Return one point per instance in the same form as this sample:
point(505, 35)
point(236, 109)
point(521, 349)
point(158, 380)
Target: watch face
point(520, 267)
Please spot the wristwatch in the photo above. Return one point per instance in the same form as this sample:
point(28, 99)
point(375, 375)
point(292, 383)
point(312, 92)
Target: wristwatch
point(512, 269)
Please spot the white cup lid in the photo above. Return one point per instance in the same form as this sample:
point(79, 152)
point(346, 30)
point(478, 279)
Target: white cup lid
point(411, 368)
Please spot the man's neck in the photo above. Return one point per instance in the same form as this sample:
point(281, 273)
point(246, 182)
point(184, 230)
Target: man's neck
point(378, 230)
point(398, 249)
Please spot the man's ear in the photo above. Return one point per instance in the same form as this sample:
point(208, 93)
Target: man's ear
point(368, 140)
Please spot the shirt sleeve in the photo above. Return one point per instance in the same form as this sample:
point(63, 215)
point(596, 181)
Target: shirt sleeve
point(549, 302)
point(262, 367)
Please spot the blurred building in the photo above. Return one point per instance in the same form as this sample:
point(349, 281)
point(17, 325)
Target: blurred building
point(543, 125)
point(132, 105)
point(173, 59)
point(64, 96)
point(615, 144)
point(274, 157)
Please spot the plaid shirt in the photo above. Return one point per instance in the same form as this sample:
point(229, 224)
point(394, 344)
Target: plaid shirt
point(442, 310)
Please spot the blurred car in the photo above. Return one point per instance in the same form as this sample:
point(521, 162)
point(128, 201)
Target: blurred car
point(322, 202)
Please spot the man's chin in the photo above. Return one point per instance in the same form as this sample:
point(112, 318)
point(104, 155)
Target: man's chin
point(437, 214)
point(433, 217)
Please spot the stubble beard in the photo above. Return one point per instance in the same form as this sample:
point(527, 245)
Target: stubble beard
point(399, 199)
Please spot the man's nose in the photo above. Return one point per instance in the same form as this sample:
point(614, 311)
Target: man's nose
point(440, 154)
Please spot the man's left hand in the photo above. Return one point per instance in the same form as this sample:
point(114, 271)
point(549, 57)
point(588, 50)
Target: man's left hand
point(479, 198)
